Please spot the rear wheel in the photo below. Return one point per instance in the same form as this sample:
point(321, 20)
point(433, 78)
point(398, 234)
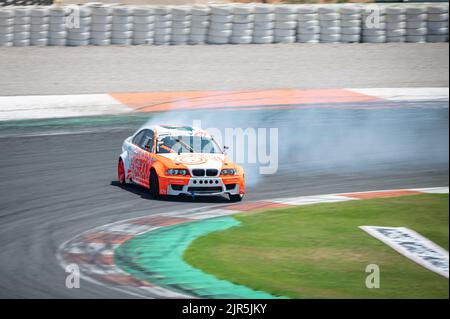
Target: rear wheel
point(236, 198)
point(121, 173)
point(154, 184)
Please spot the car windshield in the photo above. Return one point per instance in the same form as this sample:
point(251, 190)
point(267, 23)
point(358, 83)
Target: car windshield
point(187, 144)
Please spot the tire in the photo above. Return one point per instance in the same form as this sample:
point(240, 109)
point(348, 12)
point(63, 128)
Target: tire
point(39, 20)
point(330, 23)
point(307, 9)
point(395, 18)
point(242, 33)
point(240, 18)
point(236, 198)
point(310, 30)
point(39, 42)
point(400, 39)
point(57, 42)
point(269, 17)
point(396, 33)
point(350, 38)
point(221, 18)
point(351, 23)
point(351, 31)
point(122, 19)
point(200, 10)
point(284, 33)
point(39, 35)
point(285, 17)
point(22, 20)
point(241, 39)
point(143, 27)
point(263, 39)
point(53, 20)
point(101, 19)
point(437, 9)
point(154, 185)
point(39, 27)
point(308, 17)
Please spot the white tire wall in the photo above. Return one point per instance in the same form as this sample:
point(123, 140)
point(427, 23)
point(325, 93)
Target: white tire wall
point(105, 24)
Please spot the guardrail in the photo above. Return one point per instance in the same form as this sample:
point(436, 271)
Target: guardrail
point(98, 24)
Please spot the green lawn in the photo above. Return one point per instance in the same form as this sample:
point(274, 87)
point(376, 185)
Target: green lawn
point(318, 251)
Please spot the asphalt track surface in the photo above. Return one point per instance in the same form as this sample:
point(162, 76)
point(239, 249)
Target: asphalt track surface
point(76, 70)
point(59, 179)
point(59, 176)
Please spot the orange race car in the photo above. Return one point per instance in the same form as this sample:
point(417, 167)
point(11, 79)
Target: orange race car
point(176, 160)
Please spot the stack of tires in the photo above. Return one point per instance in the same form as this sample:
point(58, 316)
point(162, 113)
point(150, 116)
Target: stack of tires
point(330, 24)
point(437, 23)
point(308, 27)
point(264, 24)
point(374, 25)
point(181, 25)
point(143, 25)
point(243, 23)
point(199, 24)
point(395, 24)
point(350, 24)
point(57, 27)
point(101, 25)
point(79, 35)
point(163, 25)
point(220, 27)
point(6, 27)
point(22, 27)
point(39, 26)
point(416, 24)
point(285, 24)
point(122, 25)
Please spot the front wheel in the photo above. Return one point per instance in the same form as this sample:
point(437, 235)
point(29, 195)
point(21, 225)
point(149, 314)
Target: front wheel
point(236, 198)
point(154, 185)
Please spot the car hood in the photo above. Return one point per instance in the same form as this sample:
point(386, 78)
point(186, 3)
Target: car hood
point(197, 160)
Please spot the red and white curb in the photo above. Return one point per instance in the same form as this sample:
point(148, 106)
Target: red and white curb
point(75, 105)
point(93, 250)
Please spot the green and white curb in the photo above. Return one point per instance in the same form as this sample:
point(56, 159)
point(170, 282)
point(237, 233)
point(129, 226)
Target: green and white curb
point(143, 256)
point(157, 257)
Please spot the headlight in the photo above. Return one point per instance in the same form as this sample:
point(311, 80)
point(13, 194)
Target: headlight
point(182, 172)
point(228, 171)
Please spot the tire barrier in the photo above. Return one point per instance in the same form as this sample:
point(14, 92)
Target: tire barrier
point(243, 24)
point(264, 24)
point(106, 24)
point(395, 24)
point(163, 25)
point(25, 2)
point(351, 23)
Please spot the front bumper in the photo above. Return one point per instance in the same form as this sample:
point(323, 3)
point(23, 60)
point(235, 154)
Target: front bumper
point(204, 186)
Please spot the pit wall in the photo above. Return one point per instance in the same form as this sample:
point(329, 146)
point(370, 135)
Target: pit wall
point(102, 24)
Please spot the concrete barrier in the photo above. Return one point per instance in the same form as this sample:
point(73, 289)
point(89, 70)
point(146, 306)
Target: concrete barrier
point(104, 24)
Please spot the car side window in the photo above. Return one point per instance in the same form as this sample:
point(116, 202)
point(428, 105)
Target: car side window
point(138, 137)
point(147, 141)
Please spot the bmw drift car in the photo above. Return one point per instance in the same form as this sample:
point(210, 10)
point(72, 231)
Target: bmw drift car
point(179, 160)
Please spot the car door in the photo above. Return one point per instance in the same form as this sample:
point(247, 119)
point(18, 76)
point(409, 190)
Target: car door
point(134, 155)
point(146, 156)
